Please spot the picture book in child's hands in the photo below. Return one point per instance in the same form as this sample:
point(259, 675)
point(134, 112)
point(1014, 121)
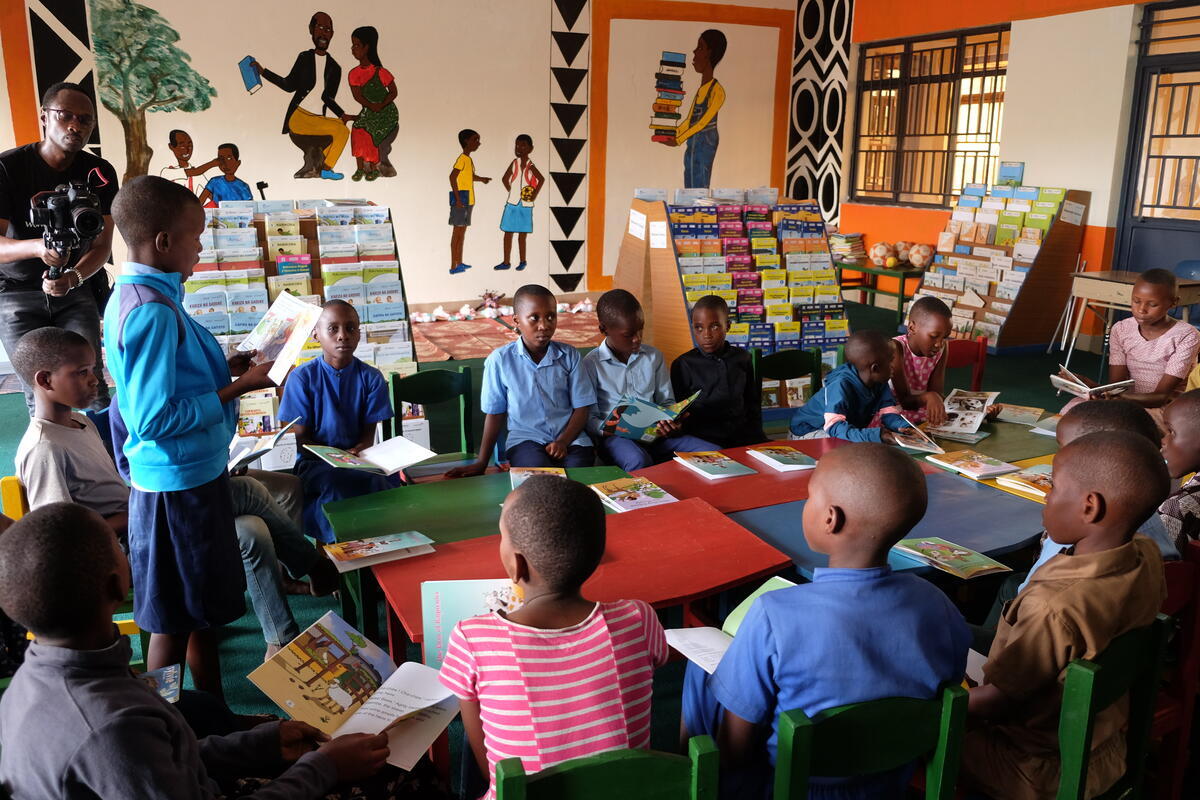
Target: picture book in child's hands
point(386, 458)
point(348, 556)
point(245, 456)
point(965, 412)
point(1022, 415)
point(971, 463)
point(706, 646)
point(518, 475)
point(338, 681)
point(913, 438)
point(629, 494)
point(637, 419)
point(949, 557)
point(164, 680)
point(713, 464)
point(782, 458)
point(281, 334)
point(1069, 382)
point(444, 604)
point(1036, 480)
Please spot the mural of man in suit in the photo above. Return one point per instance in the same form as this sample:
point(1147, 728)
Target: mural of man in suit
point(305, 115)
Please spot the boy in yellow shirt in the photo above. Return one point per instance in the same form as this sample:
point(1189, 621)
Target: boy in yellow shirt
point(462, 197)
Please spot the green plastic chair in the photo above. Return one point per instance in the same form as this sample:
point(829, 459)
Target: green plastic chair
point(876, 736)
point(784, 365)
point(1131, 664)
point(439, 386)
point(627, 774)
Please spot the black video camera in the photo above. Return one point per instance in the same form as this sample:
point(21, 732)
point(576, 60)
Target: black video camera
point(70, 219)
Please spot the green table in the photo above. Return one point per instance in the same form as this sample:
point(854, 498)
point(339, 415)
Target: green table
point(1008, 442)
point(869, 284)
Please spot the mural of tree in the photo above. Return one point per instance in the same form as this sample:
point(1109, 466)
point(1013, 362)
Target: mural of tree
point(139, 68)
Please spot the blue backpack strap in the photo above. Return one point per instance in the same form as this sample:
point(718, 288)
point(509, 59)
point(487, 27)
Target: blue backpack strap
point(135, 295)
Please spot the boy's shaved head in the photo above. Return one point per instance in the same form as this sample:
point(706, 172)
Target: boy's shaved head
point(531, 291)
point(1189, 404)
point(868, 347)
point(558, 525)
point(1123, 467)
point(880, 489)
point(149, 205)
point(1117, 414)
point(45, 349)
point(616, 306)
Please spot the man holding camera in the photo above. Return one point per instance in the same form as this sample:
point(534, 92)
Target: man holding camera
point(40, 286)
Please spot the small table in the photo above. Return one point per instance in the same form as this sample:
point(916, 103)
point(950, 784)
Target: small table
point(1009, 442)
point(869, 283)
point(1112, 290)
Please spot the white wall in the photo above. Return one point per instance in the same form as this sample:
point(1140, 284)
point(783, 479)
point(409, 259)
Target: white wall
point(1066, 107)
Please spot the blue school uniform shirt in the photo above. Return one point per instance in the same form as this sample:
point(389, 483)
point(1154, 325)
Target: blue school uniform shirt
point(850, 636)
point(845, 407)
point(335, 405)
point(643, 376)
point(221, 189)
point(538, 397)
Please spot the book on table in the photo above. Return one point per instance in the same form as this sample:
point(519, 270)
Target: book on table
point(1022, 415)
point(913, 438)
point(782, 458)
point(1069, 382)
point(245, 456)
point(713, 464)
point(965, 412)
point(281, 334)
point(518, 475)
point(965, 437)
point(637, 419)
point(630, 494)
point(949, 557)
point(349, 556)
point(705, 646)
point(338, 681)
point(386, 458)
point(1047, 426)
point(972, 463)
point(1037, 480)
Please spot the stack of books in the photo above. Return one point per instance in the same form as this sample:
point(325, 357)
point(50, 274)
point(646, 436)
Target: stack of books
point(847, 246)
point(668, 83)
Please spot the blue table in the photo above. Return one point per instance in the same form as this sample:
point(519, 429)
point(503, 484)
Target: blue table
point(960, 510)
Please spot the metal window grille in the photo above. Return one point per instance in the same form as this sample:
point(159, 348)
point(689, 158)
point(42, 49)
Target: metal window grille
point(929, 116)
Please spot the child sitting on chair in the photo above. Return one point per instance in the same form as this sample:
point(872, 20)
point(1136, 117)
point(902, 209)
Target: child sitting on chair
point(728, 411)
point(562, 676)
point(853, 395)
point(1109, 582)
point(622, 366)
point(919, 362)
point(1180, 513)
point(339, 402)
point(858, 632)
point(536, 387)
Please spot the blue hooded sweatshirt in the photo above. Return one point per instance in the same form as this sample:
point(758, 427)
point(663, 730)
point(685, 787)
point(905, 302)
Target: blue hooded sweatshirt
point(845, 406)
point(168, 370)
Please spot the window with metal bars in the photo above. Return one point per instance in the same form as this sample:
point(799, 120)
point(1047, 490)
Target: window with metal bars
point(929, 114)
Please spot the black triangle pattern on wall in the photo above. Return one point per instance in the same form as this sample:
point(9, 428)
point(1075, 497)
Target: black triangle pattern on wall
point(567, 183)
point(568, 149)
point(567, 282)
point(567, 217)
point(569, 44)
point(566, 250)
point(568, 115)
point(57, 59)
point(569, 80)
point(570, 10)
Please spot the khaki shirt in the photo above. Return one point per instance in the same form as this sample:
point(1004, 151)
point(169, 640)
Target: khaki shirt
point(1073, 607)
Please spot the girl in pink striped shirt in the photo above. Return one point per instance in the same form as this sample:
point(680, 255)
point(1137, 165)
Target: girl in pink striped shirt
point(562, 676)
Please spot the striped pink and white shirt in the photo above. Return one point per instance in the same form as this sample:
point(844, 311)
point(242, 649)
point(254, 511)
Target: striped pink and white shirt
point(546, 696)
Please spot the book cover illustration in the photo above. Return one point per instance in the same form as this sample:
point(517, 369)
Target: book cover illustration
point(972, 463)
point(1037, 480)
point(1069, 382)
point(347, 556)
point(782, 457)
point(965, 412)
point(446, 603)
point(281, 334)
point(629, 494)
point(912, 438)
point(386, 458)
point(713, 464)
point(165, 681)
point(637, 419)
point(949, 557)
point(1022, 415)
point(518, 475)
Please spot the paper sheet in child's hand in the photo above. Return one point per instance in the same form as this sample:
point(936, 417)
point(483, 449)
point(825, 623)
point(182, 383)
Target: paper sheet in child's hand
point(412, 706)
point(975, 662)
point(703, 646)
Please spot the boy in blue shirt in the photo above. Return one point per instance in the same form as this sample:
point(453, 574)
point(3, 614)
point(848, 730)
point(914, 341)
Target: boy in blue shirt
point(858, 632)
point(622, 366)
point(537, 388)
point(228, 186)
point(339, 402)
point(180, 410)
point(852, 395)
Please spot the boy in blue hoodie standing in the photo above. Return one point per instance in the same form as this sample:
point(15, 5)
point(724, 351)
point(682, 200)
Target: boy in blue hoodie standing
point(179, 407)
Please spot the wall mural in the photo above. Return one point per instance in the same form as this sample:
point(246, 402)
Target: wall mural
point(376, 124)
point(141, 70)
point(569, 59)
point(699, 131)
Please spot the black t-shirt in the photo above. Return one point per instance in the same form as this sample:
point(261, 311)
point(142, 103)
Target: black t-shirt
point(23, 174)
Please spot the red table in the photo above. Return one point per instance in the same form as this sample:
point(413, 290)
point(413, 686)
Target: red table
point(667, 555)
point(768, 488)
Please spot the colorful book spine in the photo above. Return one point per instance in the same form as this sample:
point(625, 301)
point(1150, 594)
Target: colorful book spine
point(668, 86)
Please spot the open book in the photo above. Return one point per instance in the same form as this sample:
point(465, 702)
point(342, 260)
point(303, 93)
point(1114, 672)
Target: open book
point(282, 333)
point(637, 419)
point(386, 458)
point(949, 557)
point(972, 463)
point(1022, 415)
point(349, 556)
point(705, 646)
point(1071, 383)
point(1037, 480)
point(245, 456)
point(913, 438)
point(334, 679)
point(965, 412)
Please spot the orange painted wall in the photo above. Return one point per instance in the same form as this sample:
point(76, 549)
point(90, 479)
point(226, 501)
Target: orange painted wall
point(18, 66)
point(876, 20)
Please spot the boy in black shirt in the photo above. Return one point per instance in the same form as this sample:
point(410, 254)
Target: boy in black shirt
point(729, 408)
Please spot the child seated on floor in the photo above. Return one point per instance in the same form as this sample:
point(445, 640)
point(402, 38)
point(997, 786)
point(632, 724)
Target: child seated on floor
point(858, 632)
point(853, 395)
point(1109, 582)
point(562, 676)
point(1153, 348)
point(1180, 513)
point(919, 362)
point(728, 411)
point(76, 722)
point(537, 388)
point(624, 367)
point(339, 402)
point(61, 458)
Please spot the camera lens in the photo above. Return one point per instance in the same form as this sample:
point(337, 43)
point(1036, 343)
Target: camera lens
point(89, 223)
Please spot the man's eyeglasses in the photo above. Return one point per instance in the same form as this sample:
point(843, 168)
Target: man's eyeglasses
point(67, 117)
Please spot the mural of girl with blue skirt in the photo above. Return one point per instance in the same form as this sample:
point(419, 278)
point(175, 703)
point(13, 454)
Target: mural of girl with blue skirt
point(700, 130)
